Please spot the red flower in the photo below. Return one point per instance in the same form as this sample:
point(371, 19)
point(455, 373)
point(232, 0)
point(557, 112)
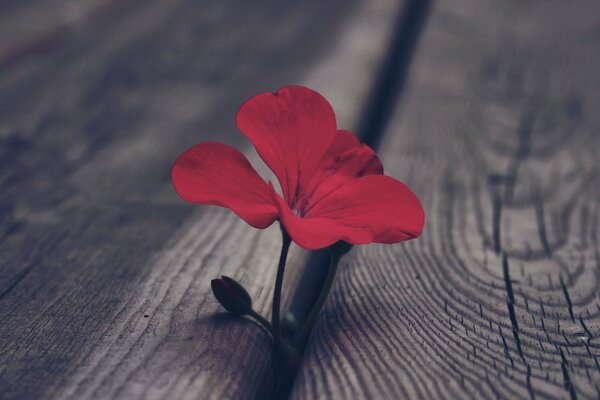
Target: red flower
point(333, 186)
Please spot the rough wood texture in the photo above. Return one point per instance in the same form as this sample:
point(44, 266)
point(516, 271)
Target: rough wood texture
point(498, 134)
point(104, 284)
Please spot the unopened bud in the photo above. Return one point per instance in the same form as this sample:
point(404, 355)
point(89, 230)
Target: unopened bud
point(232, 296)
point(289, 325)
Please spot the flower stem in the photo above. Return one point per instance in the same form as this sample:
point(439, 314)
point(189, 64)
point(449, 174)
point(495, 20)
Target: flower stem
point(275, 318)
point(261, 320)
point(304, 333)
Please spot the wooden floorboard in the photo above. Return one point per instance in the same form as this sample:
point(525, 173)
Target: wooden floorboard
point(104, 278)
point(497, 132)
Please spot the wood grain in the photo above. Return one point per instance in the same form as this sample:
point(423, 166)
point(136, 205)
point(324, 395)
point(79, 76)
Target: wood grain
point(498, 134)
point(104, 278)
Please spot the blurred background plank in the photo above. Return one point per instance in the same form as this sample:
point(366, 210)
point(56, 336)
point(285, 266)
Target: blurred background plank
point(104, 284)
point(497, 133)
point(30, 29)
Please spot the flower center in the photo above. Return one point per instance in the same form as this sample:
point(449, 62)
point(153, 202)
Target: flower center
point(301, 207)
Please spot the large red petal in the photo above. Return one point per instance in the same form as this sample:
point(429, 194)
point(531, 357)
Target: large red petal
point(318, 233)
point(380, 204)
point(217, 174)
point(291, 130)
point(346, 160)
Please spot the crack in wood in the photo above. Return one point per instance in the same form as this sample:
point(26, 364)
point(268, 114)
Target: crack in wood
point(528, 383)
point(382, 101)
point(511, 304)
point(567, 297)
point(539, 214)
point(568, 385)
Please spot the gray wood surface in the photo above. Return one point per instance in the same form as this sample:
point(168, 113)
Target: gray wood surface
point(498, 133)
point(104, 271)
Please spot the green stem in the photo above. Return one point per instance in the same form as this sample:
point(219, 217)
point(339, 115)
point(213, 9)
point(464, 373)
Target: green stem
point(304, 333)
point(261, 320)
point(275, 319)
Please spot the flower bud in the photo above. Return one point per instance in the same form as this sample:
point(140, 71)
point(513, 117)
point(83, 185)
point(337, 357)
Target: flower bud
point(289, 325)
point(232, 296)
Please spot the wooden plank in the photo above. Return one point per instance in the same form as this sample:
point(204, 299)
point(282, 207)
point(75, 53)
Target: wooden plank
point(29, 29)
point(104, 284)
point(497, 133)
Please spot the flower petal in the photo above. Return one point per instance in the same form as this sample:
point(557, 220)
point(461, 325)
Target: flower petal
point(347, 159)
point(380, 204)
point(291, 130)
point(217, 174)
point(318, 233)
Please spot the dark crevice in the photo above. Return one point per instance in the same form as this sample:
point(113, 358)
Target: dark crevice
point(510, 303)
point(20, 276)
point(541, 222)
point(392, 74)
point(505, 346)
point(380, 105)
point(496, 221)
point(528, 382)
point(568, 385)
point(585, 328)
point(310, 284)
point(567, 298)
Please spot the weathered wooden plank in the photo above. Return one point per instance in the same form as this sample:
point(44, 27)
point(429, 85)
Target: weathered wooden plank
point(29, 29)
point(498, 135)
point(104, 284)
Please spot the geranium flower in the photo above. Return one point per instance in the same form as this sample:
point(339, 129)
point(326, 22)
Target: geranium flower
point(332, 186)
